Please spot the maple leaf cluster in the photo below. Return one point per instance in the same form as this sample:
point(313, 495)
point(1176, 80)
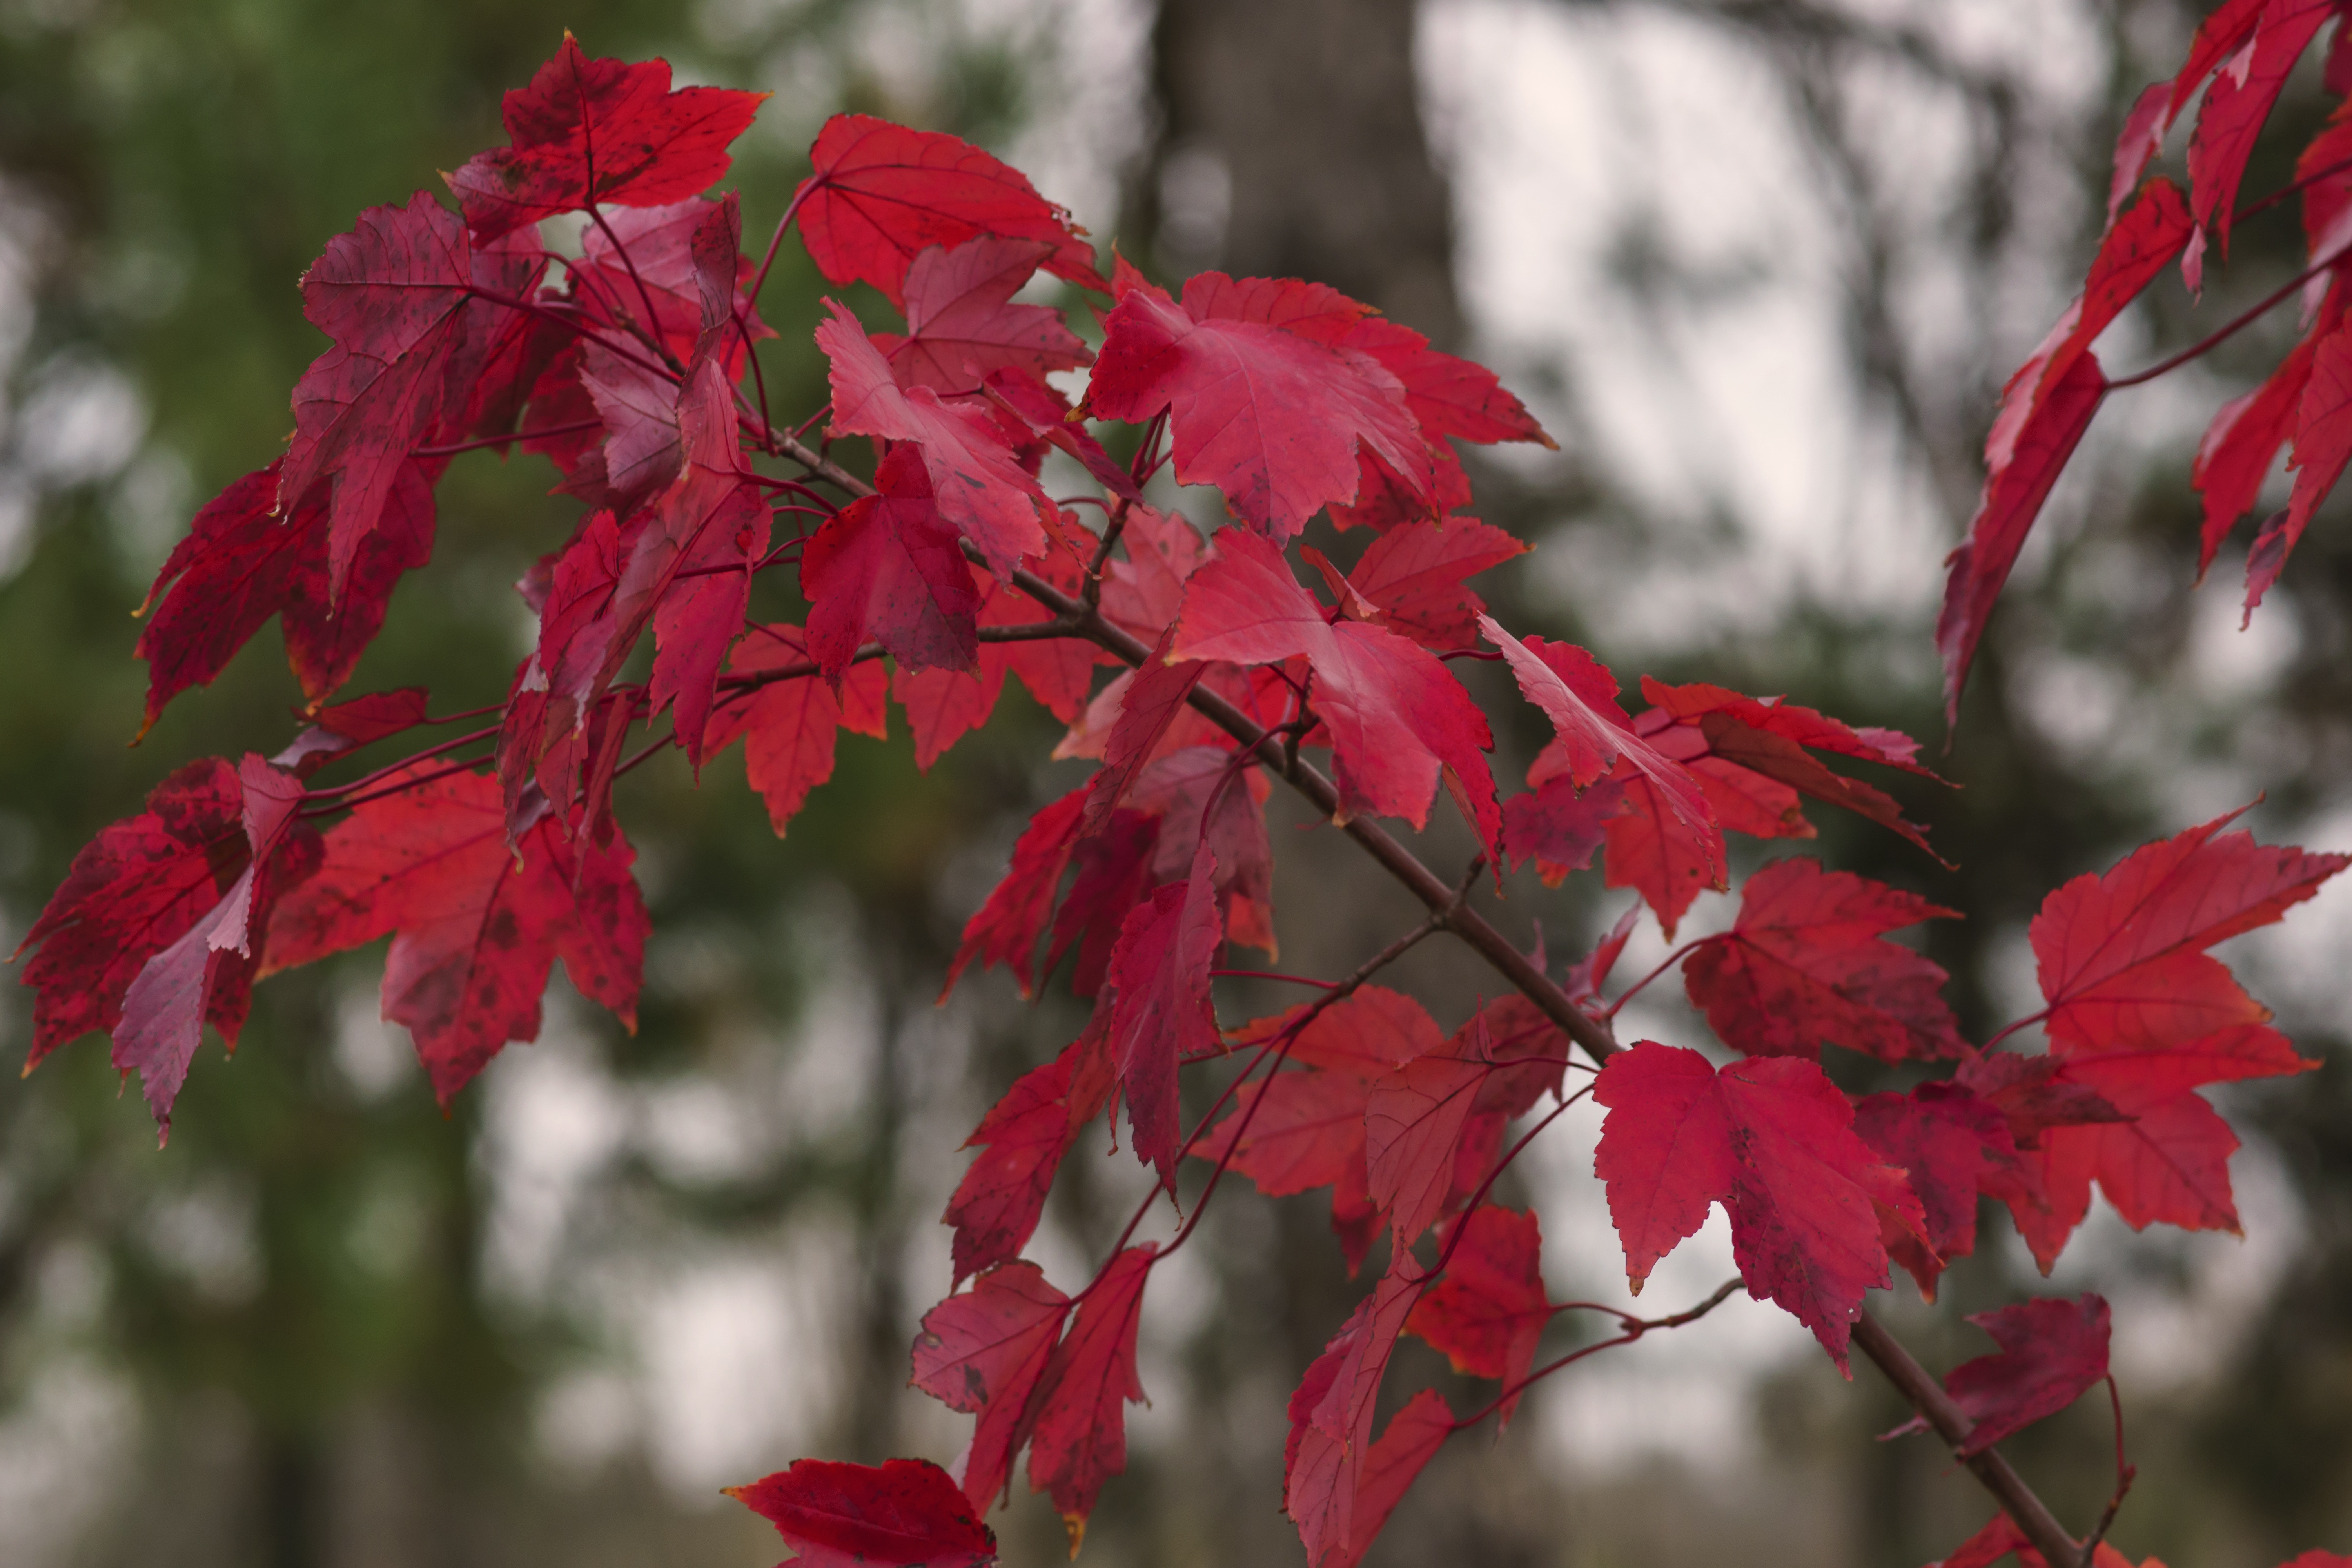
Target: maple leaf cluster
point(2240, 60)
point(1241, 657)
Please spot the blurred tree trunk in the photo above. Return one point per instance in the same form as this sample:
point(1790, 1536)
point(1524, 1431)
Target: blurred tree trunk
point(1291, 145)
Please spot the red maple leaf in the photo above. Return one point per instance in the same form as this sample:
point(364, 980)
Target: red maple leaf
point(1751, 757)
point(1198, 798)
point(1080, 1438)
point(1674, 847)
point(981, 1352)
point(1414, 579)
point(1770, 1138)
point(2122, 950)
point(902, 1514)
point(1331, 1417)
point(474, 924)
point(690, 574)
point(1022, 1140)
point(1952, 1146)
point(880, 194)
point(2323, 445)
point(945, 705)
point(1807, 962)
point(2140, 1016)
point(2052, 1350)
point(1411, 1440)
point(790, 725)
point(1307, 1127)
point(1489, 1309)
point(976, 482)
point(961, 323)
point(1559, 826)
point(241, 563)
point(158, 927)
point(1156, 1003)
point(2045, 410)
point(1397, 719)
point(1415, 1121)
point(1262, 401)
point(1148, 704)
point(2234, 457)
point(1004, 929)
point(679, 264)
point(397, 296)
point(887, 567)
point(2231, 117)
point(587, 131)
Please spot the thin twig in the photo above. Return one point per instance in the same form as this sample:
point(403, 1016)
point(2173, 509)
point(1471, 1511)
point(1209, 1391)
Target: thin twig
point(2124, 1471)
point(1634, 1329)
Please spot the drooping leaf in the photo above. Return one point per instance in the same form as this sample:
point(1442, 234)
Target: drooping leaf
point(1488, 1310)
point(396, 295)
point(1770, 1138)
point(690, 571)
point(880, 194)
point(1004, 929)
point(1021, 1142)
point(1080, 1438)
point(902, 1514)
point(240, 564)
point(1807, 962)
point(961, 323)
point(587, 131)
point(1331, 1419)
point(981, 1352)
point(1304, 1129)
point(159, 927)
point(2231, 117)
point(1147, 706)
point(475, 925)
point(1262, 402)
point(1158, 1005)
point(2234, 457)
point(2053, 1351)
point(2045, 410)
point(2323, 445)
point(1415, 1117)
point(140, 887)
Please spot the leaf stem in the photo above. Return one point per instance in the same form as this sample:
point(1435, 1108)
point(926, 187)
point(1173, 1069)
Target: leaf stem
point(792, 210)
point(553, 430)
point(1671, 960)
point(2125, 1472)
point(1634, 1329)
point(1272, 974)
point(2027, 1022)
point(2227, 330)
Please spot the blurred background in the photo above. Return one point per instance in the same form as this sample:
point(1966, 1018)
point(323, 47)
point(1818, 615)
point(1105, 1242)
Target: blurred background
point(1760, 265)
